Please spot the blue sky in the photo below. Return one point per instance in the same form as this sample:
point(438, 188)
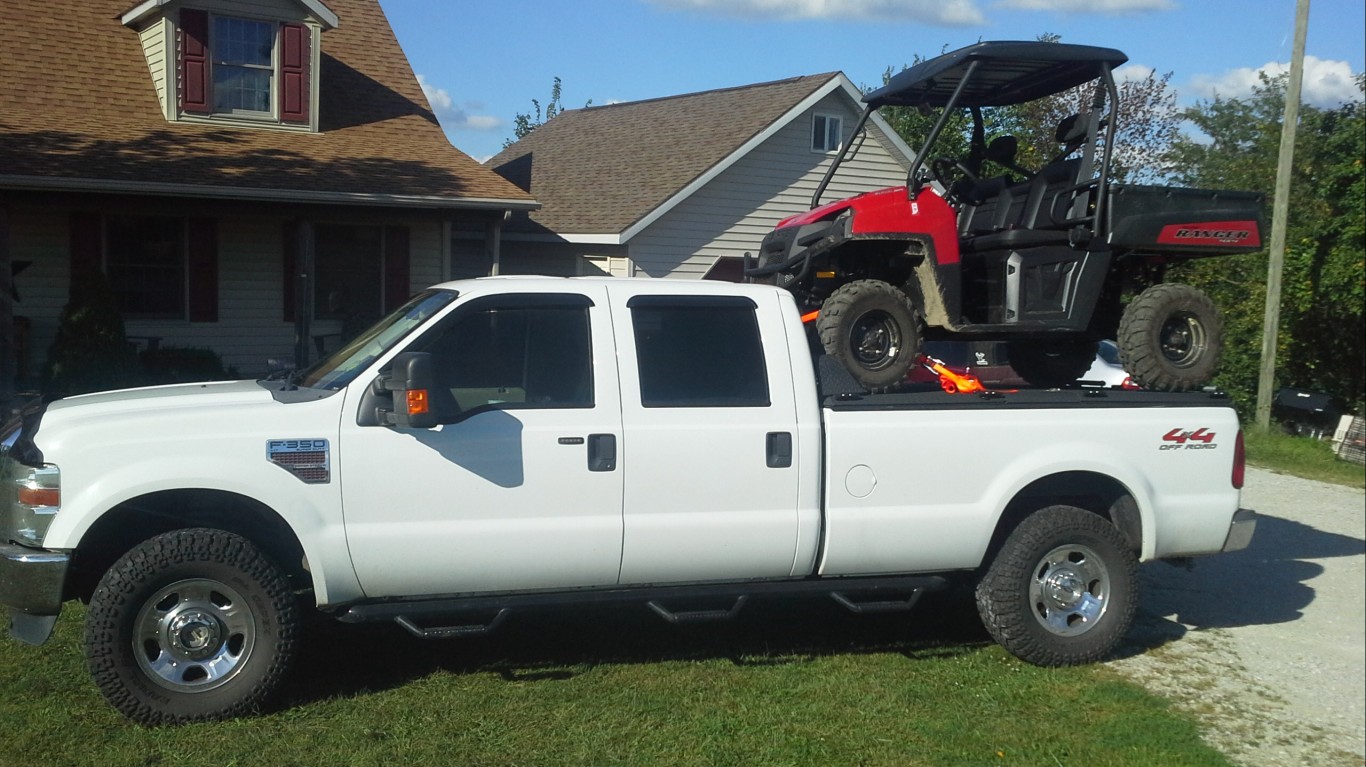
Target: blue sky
point(481, 63)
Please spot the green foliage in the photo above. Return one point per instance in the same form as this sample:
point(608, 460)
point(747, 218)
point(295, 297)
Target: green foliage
point(90, 351)
point(1321, 342)
point(526, 122)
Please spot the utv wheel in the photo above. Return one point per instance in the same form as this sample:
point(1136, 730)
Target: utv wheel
point(1051, 364)
point(189, 626)
point(1170, 337)
point(871, 328)
point(1062, 590)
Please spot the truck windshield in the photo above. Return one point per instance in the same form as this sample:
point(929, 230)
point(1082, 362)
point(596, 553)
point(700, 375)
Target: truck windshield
point(346, 363)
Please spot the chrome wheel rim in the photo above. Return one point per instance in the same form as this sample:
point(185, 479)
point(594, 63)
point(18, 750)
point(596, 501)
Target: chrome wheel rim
point(1183, 339)
point(194, 635)
point(1070, 590)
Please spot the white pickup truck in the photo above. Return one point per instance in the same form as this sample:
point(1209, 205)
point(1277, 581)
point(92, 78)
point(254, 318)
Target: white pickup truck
point(512, 443)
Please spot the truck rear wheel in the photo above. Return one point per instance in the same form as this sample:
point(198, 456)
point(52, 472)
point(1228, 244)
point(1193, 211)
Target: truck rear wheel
point(1051, 364)
point(872, 329)
point(1062, 590)
point(1170, 337)
point(191, 625)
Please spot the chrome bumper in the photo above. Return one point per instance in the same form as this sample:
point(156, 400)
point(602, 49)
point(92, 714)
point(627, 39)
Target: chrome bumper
point(1240, 530)
point(31, 586)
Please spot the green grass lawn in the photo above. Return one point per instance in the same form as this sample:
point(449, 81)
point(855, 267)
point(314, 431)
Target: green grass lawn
point(783, 685)
point(1301, 456)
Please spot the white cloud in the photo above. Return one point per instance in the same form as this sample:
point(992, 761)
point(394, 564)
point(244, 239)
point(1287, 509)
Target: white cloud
point(456, 116)
point(948, 13)
point(1133, 73)
point(1110, 7)
point(1326, 83)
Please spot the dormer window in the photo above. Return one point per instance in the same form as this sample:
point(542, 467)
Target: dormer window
point(258, 69)
point(239, 67)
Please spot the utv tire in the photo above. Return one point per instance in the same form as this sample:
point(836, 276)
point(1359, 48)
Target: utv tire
point(191, 625)
point(872, 329)
point(1170, 337)
point(1062, 590)
point(1051, 364)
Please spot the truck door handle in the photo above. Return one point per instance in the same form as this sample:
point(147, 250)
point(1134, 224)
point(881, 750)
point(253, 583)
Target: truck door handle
point(602, 452)
point(779, 449)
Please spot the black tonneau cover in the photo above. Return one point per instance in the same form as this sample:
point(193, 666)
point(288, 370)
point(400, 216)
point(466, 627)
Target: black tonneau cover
point(1010, 72)
point(930, 397)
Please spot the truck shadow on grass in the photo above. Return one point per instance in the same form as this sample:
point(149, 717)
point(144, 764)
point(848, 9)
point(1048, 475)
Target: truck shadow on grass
point(1266, 583)
point(551, 645)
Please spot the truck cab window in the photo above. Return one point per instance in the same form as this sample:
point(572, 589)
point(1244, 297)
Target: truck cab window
point(516, 357)
point(698, 352)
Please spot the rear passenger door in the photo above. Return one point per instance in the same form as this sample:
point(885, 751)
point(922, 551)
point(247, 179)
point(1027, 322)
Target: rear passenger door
point(709, 424)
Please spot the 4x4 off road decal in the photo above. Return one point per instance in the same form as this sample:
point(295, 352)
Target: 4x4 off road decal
point(307, 459)
point(1182, 439)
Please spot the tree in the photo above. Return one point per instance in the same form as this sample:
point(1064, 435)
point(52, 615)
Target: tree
point(1322, 338)
point(526, 122)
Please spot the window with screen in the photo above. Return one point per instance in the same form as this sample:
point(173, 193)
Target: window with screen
point(699, 352)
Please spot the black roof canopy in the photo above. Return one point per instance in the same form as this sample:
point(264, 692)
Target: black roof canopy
point(1009, 72)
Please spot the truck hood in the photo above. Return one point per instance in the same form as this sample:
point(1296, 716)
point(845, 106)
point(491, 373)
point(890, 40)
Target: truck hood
point(213, 407)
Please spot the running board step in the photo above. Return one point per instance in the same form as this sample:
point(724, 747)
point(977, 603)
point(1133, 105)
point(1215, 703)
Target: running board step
point(697, 616)
point(448, 632)
point(877, 605)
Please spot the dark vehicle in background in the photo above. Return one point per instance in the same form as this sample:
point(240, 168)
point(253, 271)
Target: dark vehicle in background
point(1040, 258)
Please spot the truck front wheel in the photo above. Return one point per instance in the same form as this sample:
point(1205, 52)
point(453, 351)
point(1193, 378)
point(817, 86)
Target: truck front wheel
point(1170, 337)
point(191, 625)
point(872, 329)
point(1063, 589)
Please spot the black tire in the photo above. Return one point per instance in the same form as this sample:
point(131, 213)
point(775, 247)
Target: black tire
point(1062, 590)
point(1170, 338)
point(872, 329)
point(1051, 364)
point(191, 625)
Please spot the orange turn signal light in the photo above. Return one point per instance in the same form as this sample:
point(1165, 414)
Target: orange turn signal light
point(40, 496)
point(417, 401)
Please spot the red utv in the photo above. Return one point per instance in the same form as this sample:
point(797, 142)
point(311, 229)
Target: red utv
point(1039, 257)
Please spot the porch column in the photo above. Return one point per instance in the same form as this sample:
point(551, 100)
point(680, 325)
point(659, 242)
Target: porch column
point(303, 292)
point(8, 361)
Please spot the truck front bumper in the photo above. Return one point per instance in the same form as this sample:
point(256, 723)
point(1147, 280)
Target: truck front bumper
point(31, 586)
point(1240, 530)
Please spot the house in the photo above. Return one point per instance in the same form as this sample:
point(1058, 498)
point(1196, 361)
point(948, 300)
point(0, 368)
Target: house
point(683, 186)
point(252, 176)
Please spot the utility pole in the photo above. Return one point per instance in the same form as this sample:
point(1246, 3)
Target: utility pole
point(1280, 208)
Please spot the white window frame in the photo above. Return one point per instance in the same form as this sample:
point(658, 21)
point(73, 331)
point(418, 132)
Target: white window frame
point(215, 46)
point(831, 123)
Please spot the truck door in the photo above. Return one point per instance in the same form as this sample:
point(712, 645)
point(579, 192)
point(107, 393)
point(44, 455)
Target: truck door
point(523, 491)
point(711, 433)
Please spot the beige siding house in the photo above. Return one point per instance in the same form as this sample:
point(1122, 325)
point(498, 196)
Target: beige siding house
point(683, 186)
point(255, 177)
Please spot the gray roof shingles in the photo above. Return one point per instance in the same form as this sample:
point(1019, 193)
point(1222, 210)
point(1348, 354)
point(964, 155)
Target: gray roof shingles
point(598, 170)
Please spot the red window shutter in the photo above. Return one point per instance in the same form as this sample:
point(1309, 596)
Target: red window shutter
point(193, 52)
point(294, 58)
point(203, 269)
point(396, 268)
point(290, 232)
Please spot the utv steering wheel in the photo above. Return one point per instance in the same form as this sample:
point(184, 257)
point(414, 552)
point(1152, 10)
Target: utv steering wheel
point(945, 170)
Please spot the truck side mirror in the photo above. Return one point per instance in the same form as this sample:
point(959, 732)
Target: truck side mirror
point(417, 403)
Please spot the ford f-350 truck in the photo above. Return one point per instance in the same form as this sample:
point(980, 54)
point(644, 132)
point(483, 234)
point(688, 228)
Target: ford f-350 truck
point(512, 443)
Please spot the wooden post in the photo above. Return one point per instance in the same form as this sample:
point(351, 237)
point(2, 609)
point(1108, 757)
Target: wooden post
point(1280, 208)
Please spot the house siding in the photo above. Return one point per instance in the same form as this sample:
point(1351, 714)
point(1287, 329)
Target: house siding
point(733, 213)
point(154, 47)
point(249, 331)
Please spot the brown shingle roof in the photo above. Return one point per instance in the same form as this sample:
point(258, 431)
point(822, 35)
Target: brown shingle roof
point(77, 103)
point(598, 170)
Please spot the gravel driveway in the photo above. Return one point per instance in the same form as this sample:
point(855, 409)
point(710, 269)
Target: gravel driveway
point(1267, 646)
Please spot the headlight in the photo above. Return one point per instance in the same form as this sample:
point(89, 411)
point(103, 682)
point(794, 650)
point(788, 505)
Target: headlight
point(36, 500)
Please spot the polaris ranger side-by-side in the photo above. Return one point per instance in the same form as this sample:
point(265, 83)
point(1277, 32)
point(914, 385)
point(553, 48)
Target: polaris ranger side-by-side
point(1041, 258)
